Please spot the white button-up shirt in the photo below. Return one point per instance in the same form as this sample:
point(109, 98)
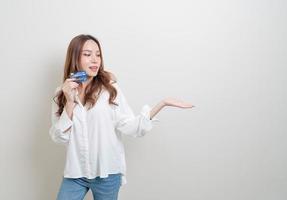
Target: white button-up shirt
point(93, 138)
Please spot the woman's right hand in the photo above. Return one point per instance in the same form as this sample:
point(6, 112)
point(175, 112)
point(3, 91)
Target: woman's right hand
point(69, 89)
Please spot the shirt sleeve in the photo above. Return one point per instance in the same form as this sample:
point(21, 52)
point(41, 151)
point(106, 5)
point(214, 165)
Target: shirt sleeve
point(61, 125)
point(125, 120)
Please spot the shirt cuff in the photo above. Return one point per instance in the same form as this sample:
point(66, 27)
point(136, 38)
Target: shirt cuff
point(64, 122)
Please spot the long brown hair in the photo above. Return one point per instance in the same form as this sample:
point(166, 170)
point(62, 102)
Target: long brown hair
point(99, 82)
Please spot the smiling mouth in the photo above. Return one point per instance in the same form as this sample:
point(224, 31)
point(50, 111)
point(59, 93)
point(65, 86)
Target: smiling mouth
point(94, 68)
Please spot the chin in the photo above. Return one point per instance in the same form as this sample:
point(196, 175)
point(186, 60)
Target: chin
point(93, 74)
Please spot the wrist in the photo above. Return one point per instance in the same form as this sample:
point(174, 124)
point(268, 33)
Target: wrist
point(70, 103)
point(162, 103)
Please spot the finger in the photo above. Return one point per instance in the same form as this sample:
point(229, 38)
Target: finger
point(73, 85)
point(70, 79)
point(189, 106)
point(186, 105)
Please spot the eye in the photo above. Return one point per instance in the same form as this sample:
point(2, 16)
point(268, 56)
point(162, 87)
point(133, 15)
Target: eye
point(99, 55)
point(87, 54)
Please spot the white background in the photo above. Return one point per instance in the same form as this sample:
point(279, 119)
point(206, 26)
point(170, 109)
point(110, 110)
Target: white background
point(227, 57)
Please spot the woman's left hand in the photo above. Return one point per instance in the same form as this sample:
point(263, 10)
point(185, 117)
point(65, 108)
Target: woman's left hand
point(169, 102)
point(177, 103)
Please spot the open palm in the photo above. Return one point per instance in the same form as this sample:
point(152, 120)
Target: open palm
point(177, 103)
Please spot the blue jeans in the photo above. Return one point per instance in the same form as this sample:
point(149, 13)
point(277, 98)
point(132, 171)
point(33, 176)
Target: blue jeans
point(102, 188)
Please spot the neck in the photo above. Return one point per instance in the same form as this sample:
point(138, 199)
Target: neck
point(84, 85)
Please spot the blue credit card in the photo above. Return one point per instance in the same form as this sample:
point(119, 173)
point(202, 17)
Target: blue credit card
point(80, 76)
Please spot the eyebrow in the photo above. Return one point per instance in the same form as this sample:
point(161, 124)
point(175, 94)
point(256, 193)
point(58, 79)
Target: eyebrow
point(90, 50)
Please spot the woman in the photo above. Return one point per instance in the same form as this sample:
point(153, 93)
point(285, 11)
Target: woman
point(89, 118)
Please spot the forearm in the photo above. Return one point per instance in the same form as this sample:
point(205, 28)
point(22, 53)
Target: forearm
point(69, 107)
point(156, 109)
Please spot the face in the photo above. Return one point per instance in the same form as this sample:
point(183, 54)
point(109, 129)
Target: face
point(90, 60)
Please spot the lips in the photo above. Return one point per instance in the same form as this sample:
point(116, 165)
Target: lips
point(94, 68)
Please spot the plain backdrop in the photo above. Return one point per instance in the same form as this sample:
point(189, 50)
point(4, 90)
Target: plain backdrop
point(227, 57)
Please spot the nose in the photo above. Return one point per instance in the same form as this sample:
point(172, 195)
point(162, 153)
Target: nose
point(94, 58)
